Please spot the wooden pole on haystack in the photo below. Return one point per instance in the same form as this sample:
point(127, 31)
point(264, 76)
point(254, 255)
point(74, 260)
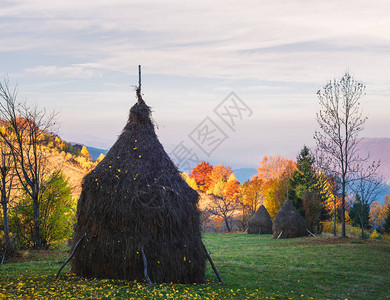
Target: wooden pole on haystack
point(138, 90)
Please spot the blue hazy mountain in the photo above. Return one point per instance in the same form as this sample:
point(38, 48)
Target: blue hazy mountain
point(244, 174)
point(95, 152)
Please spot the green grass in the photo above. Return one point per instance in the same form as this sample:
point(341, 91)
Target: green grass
point(252, 267)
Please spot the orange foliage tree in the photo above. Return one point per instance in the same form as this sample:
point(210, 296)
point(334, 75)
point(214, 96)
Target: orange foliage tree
point(219, 181)
point(232, 188)
point(273, 167)
point(201, 174)
point(275, 173)
point(219, 172)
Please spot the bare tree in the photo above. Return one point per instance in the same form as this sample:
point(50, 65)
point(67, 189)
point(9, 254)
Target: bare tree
point(223, 208)
point(340, 120)
point(26, 127)
point(7, 176)
point(366, 186)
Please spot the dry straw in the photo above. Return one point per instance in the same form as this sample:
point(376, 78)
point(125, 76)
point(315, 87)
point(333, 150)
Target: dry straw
point(289, 223)
point(260, 222)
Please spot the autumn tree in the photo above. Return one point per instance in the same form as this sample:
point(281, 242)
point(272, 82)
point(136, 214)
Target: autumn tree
point(275, 173)
point(7, 175)
point(250, 199)
point(232, 188)
point(190, 181)
point(221, 206)
point(251, 194)
point(377, 218)
point(219, 172)
point(272, 167)
point(386, 226)
point(378, 212)
point(333, 203)
point(100, 158)
point(27, 126)
point(226, 194)
point(340, 121)
point(201, 174)
point(84, 152)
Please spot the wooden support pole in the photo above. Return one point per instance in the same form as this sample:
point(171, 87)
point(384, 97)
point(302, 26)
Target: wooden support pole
point(70, 256)
point(310, 232)
point(212, 264)
point(3, 259)
point(139, 77)
point(138, 90)
point(146, 267)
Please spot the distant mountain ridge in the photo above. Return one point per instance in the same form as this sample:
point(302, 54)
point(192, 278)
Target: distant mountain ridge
point(95, 152)
point(379, 149)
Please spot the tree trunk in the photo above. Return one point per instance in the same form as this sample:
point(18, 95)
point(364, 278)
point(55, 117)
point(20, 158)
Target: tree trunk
point(361, 221)
point(334, 222)
point(227, 224)
point(6, 227)
point(343, 209)
point(37, 233)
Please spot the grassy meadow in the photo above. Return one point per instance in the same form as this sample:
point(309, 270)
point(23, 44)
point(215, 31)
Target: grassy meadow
point(252, 267)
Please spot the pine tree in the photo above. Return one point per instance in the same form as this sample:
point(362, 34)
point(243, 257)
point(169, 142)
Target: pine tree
point(308, 190)
point(302, 180)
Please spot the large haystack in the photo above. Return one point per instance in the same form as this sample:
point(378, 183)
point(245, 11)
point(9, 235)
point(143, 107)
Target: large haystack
point(260, 222)
point(289, 223)
point(133, 203)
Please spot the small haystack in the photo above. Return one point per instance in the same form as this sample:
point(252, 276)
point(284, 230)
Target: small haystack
point(260, 222)
point(289, 223)
point(137, 215)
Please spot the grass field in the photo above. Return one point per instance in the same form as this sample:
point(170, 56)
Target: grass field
point(252, 267)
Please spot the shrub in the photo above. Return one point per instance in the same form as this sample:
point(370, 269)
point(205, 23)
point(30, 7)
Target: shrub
point(374, 235)
point(56, 209)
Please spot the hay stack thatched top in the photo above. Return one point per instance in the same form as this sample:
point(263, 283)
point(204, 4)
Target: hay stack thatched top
point(260, 222)
point(289, 223)
point(135, 200)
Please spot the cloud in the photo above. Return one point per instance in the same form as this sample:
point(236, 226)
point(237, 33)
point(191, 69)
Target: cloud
point(274, 54)
point(73, 71)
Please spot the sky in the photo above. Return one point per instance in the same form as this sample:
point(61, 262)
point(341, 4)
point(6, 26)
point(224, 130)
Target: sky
point(227, 81)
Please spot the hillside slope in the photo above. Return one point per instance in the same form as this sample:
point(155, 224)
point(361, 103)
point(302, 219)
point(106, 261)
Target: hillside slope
point(74, 172)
